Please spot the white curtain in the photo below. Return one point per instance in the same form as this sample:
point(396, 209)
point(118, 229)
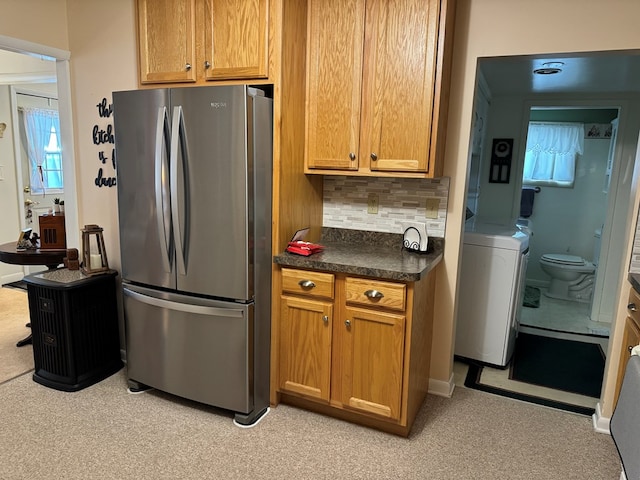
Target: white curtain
point(550, 155)
point(38, 123)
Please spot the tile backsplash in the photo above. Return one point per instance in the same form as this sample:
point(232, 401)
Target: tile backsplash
point(399, 199)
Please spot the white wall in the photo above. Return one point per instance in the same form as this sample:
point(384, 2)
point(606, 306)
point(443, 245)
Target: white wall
point(38, 21)
point(103, 45)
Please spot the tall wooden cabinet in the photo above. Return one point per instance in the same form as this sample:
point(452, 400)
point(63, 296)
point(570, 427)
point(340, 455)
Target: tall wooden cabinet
point(354, 347)
point(376, 74)
point(202, 40)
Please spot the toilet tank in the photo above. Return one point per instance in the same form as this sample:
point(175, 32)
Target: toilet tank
point(596, 246)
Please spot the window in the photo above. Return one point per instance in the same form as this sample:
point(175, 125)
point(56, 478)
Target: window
point(551, 152)
point(42, 129)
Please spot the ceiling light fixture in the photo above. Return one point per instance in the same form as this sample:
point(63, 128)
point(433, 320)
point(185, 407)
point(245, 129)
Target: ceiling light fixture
point(549, 68)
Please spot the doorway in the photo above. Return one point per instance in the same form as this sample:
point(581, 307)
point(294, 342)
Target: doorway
point(571, 220)
point(506, 91)
point(15, 220)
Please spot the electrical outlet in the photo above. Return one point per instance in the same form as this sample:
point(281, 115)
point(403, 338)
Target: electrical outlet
point(372, 203)
point(432, 207)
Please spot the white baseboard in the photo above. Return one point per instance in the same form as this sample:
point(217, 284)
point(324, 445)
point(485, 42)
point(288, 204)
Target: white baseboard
point(442, 388)
point(600, 423)
point(12, 277)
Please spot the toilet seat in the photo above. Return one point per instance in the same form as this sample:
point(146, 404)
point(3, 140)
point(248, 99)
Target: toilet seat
point(561, 259)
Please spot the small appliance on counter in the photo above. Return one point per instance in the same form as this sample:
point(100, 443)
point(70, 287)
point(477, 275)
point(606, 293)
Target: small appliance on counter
point(298, 246)
point(415, 236)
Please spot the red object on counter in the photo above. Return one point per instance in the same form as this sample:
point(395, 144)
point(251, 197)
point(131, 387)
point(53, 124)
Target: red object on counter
point(304, 248)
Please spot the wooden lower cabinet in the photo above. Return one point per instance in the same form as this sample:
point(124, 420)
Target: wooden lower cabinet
point(359, 351)
point(372, 360)
point(305, 340)
point(630, 337)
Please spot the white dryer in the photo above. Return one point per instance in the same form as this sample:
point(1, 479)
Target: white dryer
point(492, 276)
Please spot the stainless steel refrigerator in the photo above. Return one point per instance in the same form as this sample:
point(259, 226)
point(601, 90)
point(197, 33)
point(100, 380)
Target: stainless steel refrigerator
point(194, 169)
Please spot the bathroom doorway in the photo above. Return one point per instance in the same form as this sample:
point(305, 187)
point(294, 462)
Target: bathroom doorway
point(570, 218)
point(506, 93)
point(564, 220)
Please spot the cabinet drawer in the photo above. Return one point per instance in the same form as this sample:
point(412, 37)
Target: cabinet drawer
point(304, 282)
point(360, 291)
point(633, 307)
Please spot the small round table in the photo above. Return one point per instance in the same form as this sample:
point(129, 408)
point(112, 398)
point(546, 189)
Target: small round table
point(49, 257)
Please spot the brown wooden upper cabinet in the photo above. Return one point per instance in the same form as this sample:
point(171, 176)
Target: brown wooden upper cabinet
point(375, 74)
point(193, 41)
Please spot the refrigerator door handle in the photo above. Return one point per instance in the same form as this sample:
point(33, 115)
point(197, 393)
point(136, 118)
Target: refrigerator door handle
point(177, 137)
point(184, 307)
point(159, 163)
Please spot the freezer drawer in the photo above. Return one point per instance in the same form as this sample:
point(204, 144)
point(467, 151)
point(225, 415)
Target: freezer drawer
point(195, 348)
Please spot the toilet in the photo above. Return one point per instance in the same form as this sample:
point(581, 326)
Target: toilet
point(572, 277)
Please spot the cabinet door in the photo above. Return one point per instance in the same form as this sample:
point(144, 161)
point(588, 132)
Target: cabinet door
point(372, 361)
point(398, 84)
point(236, 39)
point(166, 41)
point(630, 338)
point(334, 77)
point(305, 347)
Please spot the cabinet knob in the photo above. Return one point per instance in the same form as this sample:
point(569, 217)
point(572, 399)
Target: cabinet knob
point(352, 156)
point(347, 322)
point(374, 294)
point(187, 67)
point(374, 157)
point(629, 348)
point(325, 319)
point(306, 284)
point(632, 307)
point(207, 64)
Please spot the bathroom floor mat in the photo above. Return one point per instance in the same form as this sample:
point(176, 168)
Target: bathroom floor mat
point(497, 382)
point(531, 297)
point(576, 367)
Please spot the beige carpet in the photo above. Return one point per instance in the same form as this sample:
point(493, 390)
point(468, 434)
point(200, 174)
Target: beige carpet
point(14, 314)
point(103, 432)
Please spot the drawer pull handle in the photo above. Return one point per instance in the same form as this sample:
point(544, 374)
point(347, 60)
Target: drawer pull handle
point(325, 319)
point(306, 284)
point(373, 294)
point(632, 307)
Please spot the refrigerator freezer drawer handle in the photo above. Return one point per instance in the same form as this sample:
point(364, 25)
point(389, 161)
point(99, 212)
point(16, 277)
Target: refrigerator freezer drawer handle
point(161, 137)
point(184, 307)
point(177, 129)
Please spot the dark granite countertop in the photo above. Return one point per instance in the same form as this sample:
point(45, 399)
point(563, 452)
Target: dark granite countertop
point(634, 279)
point(370, 254)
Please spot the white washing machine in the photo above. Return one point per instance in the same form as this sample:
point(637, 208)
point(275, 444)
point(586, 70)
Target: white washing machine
point(492, 276)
